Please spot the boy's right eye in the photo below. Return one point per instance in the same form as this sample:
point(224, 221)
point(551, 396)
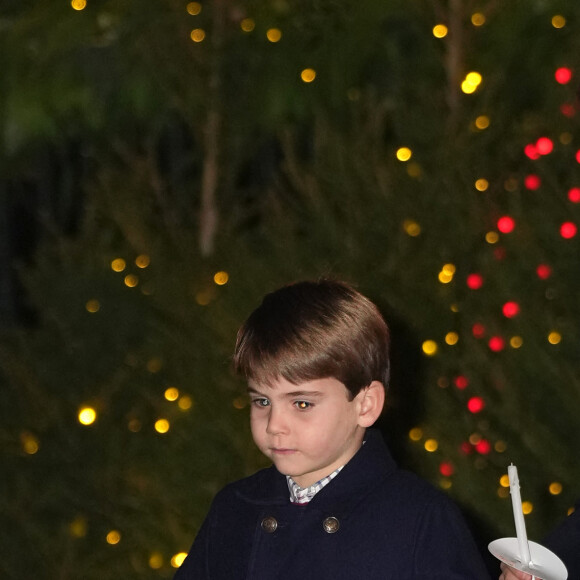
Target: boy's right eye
point(261, 402)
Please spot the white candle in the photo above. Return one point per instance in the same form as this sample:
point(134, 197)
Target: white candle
point(519, 515)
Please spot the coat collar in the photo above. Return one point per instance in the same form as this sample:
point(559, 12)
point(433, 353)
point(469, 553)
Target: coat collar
point(369, 467)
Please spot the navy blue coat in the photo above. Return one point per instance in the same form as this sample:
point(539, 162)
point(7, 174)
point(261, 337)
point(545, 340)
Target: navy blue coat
point(373, 521)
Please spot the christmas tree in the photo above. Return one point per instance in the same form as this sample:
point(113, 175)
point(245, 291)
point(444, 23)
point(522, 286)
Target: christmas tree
point(166, 164)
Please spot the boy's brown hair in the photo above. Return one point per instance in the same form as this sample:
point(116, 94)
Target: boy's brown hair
point(315, 330)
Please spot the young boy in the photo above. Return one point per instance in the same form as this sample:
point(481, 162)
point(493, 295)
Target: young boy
point(333, 505)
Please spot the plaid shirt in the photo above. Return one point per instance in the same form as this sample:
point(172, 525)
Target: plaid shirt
point(299, 495)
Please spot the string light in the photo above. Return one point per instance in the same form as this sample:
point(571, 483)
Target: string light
point(87, 415)
point(440, 31)
point(430, 347)
point(481, 184)
point(274, 34)
point(247, 24)
point(412, 228)
point(478, 19)
point(197, 35)
point(79, 4)
point(558, 21)
point(404, 154)
point(308, 75)
point(193, 8)
point(177, 559)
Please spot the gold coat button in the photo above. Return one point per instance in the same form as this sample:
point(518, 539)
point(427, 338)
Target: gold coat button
point(269, 524)
point(331, 525)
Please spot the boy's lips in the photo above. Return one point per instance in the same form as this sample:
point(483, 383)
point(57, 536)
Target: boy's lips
point(282, 451)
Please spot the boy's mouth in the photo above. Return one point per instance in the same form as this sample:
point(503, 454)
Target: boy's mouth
point(280, 451)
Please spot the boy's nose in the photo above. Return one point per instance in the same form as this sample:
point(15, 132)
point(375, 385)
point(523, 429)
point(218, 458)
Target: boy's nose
point(276, 422)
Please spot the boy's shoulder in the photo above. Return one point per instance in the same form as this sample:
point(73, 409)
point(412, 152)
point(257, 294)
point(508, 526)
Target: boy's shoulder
point(266, 486)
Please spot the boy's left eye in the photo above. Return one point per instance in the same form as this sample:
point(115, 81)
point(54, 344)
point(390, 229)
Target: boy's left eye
point(302, 405)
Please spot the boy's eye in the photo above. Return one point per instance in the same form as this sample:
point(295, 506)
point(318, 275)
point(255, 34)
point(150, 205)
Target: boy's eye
point(303, 405)
point(261, 402)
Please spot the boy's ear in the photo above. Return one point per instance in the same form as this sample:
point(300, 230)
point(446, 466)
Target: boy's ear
point(371, 403)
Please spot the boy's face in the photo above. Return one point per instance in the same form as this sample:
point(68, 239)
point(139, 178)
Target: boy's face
point(307, 430)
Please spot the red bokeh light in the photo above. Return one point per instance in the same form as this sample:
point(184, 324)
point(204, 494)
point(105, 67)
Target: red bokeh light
point(466, 448)
point(499, 253)
point(478, 330)
point(563, 75)
point(568, 230)
point(543, 271)
point(483, 447)
point(475, 404)
point(567, 109)
point(532, 182)
point(531, 151)
point(475, 281)
point(574, 195)
point(496, 343)
point(578, 156)
point(446, 468)
point(544, 146)
point(461, 382)
point(506, 224)
point(511, 309)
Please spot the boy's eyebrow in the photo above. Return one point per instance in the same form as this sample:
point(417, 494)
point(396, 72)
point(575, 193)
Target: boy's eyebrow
point(291, 395)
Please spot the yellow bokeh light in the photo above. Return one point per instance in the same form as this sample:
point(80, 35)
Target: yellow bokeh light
point(445, 278)
point(221, 278)
point(247, 24)
point(172, 394)
point(429, 347)
point(162, 425)
point(474, 438)
point(412, 228)
point(492, 237)
point(185, 403)
point(274, 34)
point(451, 338)
point(554, 337)
point(156, 560)
point(527, 507)
point(500, 446)
point(478, 19)
point(113, 537)
point(134, 425)
point(440, 31)
point(558, 21)
point(570, 511)
point(504, 480)
point(449, 269)
point(555, 488)
point(194, 8)
point(414, 170)
point(78, 527)
point(503, 492)
point(177, 559)
point(203, 297)
point(197, 34)
point(154, 365)
point(471, 82)
point(87, 415)
point(142, 261)
point(308, 75)
point(93, 306)
point(131, 280)
point(473, 78)
point(239, 403)
point(482, 122)
point(79, 4)
point(431, 445)
point(481, 184)
point(516, 341)
point(454, 308)
point(416, 434)
point(404, 154)
point(29, 443)
point(118, 264)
